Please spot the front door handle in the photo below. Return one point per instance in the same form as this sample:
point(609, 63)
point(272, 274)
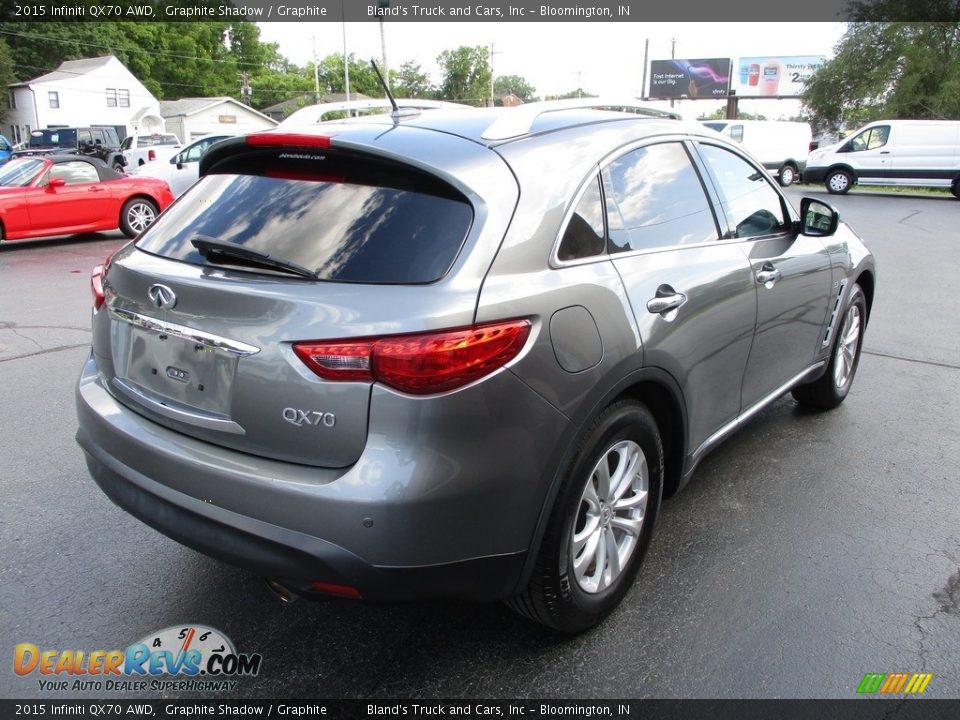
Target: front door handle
point(666, 302)
point(768, 275)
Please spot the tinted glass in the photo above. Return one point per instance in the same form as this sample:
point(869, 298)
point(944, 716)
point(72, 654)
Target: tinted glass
point(655, 199)
point(54, 138)
point(751, 202)
point(583, 237)
point(347, 232)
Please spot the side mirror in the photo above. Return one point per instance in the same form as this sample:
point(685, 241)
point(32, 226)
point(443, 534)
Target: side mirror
point(179, 166)
point(55, 182)
point(818, 218)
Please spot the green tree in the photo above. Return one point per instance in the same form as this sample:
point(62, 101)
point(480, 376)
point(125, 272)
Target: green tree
point(578, 93)
point(362, 78)
point(6, 73)
point(515, 84)
point(888, 70)
point(466, 75)
point(411, 82)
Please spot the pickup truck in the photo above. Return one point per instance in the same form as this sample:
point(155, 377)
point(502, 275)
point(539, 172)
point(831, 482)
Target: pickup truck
point(141, 149)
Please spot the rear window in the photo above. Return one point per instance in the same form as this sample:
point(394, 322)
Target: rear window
point(65, 138)
point(347, 220)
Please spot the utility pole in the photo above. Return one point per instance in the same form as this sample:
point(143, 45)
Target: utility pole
point(579, 84)
point(245, 90)
point(492, 53)
point(316, 73)
point(384, 4)
point(673, 54)
point(646, 54)
point(346, 60)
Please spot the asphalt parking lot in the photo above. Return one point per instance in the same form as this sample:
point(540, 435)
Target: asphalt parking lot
point(808, 550)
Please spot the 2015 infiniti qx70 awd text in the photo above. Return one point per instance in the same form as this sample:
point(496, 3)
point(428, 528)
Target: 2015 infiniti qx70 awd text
point(458, 354)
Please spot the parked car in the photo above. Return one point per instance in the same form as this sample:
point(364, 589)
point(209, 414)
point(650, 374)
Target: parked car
point(905, 153)
point(6, 149)
point(781, 147)
point(98, 142)
point(140, 149)
point(181, 170)
point(384, 358)
point(66, 194)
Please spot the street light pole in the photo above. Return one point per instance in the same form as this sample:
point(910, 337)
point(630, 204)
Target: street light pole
point(384, 4)
point(346, 60)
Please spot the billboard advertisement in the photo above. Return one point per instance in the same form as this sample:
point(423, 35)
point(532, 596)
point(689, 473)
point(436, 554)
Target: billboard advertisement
point(700, 78)
point(778, 76)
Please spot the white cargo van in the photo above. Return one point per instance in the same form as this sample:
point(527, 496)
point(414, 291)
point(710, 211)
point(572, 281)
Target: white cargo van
point(782, 147)
point(909, 153)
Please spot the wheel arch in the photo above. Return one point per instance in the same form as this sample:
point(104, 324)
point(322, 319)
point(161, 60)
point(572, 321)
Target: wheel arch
point(867, 283)
point(842, 166)
point(661, 393)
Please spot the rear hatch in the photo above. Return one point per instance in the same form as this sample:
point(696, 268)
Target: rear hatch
point(280, 244)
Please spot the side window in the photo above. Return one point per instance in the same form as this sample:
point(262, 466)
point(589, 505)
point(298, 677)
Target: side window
point(736, 133)
point(84, 138)
point(655, 200)
point(127, 142)
point(74, 173)
point(583, 237)
point(750, 201)
point(194, 153)
point(871, 139)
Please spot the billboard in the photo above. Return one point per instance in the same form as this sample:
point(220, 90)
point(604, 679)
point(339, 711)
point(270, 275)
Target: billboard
point(778, 76)
point(700, 78)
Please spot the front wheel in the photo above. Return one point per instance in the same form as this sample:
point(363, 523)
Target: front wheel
point(788, 175)
point(137, 215)
point(839, 182)
point(955, 189)
point(601, 524)
point(831, 389)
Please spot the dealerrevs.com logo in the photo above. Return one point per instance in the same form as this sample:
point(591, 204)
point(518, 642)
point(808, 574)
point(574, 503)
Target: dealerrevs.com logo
point(185, 657)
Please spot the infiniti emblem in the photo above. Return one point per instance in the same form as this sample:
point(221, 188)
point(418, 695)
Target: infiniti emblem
point(162, 297)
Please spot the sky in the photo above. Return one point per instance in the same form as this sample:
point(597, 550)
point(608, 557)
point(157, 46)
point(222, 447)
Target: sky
point(604, 58)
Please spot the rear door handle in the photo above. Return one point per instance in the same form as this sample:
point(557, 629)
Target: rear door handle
point(666, 302)
point(768, 275)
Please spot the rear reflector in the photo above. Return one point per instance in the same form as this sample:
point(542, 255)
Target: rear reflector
point(335, 589)
point(271, 139)
point(420, 364)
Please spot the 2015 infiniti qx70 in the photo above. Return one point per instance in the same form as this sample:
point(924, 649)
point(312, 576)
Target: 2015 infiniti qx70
point(462, 353)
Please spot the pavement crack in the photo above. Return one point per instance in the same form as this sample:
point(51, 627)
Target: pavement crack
point(46, 351)
point(891, 356)
point(903, 221)
point(25, 337)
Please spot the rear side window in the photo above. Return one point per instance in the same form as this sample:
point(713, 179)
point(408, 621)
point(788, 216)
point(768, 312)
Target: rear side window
point(584, 235)
point(347, 220)
point(655, 200)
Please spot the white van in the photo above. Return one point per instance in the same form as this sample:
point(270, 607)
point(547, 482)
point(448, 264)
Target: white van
point(909, 153)
point(782, 147)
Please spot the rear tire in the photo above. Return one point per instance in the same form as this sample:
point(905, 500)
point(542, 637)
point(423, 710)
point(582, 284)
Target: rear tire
point(137, 215)
point(601, 524)
point(955, 189)
point(788, 175)
point(831, 389)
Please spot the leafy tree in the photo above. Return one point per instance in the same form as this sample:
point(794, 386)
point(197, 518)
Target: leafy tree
point(410, 81)
point(6, 73)
point(515, 84)
point(362, 78)
point(578, 93)
point(466, 75)
point(888, 70)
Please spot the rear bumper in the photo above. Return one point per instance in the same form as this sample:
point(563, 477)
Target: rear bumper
point(400, 524)
point(293, 558)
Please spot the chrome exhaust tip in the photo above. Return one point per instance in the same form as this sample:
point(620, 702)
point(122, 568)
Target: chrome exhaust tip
point(285, 594)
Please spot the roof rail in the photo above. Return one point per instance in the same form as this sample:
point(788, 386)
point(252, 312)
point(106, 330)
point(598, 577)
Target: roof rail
point(313, 114)
point(518, 120)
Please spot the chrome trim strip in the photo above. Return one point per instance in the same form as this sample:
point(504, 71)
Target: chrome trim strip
point(184, 416)
point(831, 324)
point(209, 340)
point(751, 411)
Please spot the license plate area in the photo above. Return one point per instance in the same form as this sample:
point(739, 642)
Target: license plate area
point(174, 365)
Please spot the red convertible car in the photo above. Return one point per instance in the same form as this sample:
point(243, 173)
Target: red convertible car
point(66, 194)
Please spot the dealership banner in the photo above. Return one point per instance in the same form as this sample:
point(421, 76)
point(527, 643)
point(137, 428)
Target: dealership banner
point(777, 76)
point(700, 78)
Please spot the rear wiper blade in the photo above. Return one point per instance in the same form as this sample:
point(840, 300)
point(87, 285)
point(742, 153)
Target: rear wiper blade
point(218, 251)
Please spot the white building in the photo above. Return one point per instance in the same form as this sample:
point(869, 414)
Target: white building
point(192, 118)
point(94, 91)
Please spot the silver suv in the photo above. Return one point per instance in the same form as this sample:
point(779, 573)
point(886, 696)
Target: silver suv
point(462, 354)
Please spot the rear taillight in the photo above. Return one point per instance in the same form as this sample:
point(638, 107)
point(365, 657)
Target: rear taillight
point(151, 155)
point(419, 364)
point(96, 282)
